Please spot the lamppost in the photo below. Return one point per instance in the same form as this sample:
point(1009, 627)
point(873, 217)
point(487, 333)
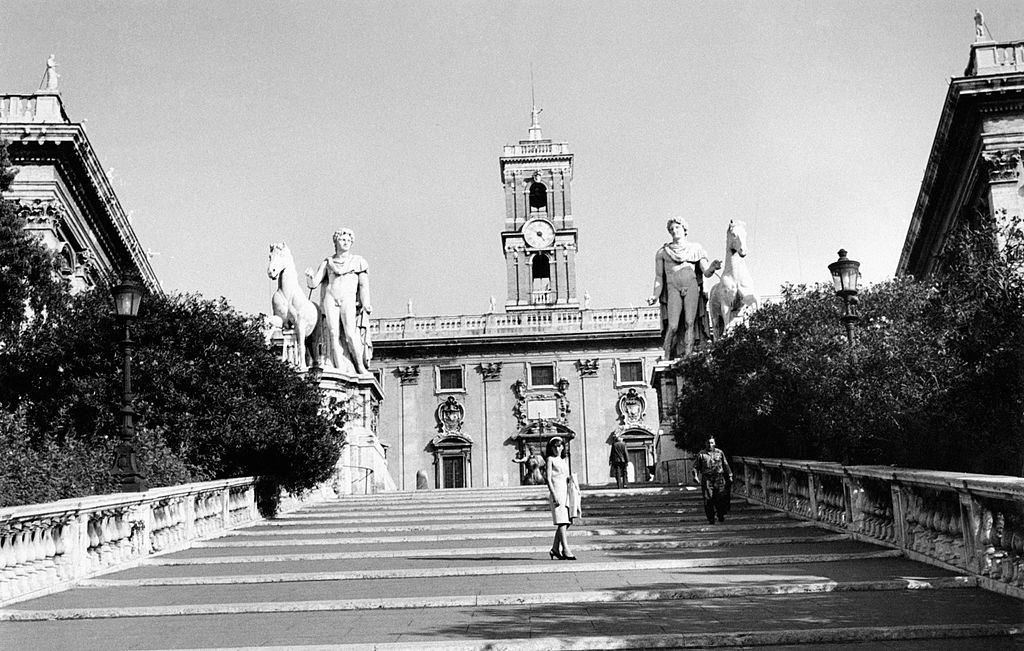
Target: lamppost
point(127, 298)
point(845, 273)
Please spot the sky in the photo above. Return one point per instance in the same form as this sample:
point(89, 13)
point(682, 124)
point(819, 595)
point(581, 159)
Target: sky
point(226, 126)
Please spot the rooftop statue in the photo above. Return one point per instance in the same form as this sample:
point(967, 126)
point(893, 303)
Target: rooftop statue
point(979, 26)
point(291, 305)
point(679, 271)
point(50, 76)
point(734, 293)
point(344, 284)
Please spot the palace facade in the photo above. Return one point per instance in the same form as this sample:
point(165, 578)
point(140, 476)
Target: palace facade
point(471, 400)
point(974, 171)
point(63, 192)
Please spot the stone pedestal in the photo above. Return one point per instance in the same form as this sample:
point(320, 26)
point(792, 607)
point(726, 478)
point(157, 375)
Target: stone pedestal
point(674, 466)
point(363, 466)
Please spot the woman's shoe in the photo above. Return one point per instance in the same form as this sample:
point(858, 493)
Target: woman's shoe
point(556, 556)
point(567, 558)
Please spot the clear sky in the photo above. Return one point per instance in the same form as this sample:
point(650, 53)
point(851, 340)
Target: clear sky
point(230, 125)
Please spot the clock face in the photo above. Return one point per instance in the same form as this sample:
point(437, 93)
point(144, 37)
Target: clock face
point(539, 233)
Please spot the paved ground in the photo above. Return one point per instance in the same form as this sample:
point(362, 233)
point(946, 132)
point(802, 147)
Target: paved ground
point(469, 569)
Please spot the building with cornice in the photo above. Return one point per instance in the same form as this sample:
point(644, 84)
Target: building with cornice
point(63, 192)
point(974, 171)
point(471, 400)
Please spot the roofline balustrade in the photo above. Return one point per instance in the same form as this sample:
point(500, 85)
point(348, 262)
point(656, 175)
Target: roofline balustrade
point(959, 521)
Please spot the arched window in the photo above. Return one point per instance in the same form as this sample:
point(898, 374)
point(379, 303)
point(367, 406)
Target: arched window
point(541, 279)
point(538, 196)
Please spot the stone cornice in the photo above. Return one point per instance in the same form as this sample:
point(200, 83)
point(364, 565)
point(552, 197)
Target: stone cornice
point(68, 147)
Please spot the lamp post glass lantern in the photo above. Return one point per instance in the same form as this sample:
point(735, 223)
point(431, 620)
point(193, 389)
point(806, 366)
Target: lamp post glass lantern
point(127, 299)
point(845, 274)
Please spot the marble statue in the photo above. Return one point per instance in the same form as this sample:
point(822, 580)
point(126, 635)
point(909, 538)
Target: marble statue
point(490, 306)
point(343, 280)
point(291, 306)
point(734, 293)
point(979, 25)
point(680, 267)
point(50, 76)
point(534, 466)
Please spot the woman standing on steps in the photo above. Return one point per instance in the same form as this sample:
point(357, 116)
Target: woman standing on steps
point(558, 488)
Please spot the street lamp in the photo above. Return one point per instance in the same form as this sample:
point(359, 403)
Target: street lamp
point(127, 298)
point(845, 273)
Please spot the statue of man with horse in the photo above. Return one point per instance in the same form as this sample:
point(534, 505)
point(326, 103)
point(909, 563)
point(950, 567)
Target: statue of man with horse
point(734, 294)
point(680, 269)
point(344, 284)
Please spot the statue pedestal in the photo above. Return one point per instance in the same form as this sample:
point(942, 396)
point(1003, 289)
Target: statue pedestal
point(675, 466)
point(363, 466)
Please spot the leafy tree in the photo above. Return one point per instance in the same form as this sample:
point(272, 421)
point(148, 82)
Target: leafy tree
point(933, 381)
point(211, 399)
point(28, 282)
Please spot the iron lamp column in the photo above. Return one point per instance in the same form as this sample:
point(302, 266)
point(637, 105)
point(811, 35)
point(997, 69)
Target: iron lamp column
point(845, 274)
point(127, 298)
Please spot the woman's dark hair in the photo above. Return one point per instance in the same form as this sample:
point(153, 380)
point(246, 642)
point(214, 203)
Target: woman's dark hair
point(550, 452)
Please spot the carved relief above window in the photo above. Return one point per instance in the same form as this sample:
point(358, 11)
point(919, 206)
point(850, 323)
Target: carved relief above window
point(532, 406)
point(450, 415)
point(632, 408)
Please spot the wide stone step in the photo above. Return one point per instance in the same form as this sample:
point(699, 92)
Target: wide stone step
point(802, 618)
point(706, 539)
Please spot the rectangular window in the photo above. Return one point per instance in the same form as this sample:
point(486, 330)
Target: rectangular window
point(542, 375)
point(450, 379)
point(631, 372)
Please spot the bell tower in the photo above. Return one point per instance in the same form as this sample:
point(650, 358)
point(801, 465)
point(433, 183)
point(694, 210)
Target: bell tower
point(539, 238)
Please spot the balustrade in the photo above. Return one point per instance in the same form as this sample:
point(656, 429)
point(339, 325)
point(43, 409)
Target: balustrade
point(47, 547)
point(974, 523)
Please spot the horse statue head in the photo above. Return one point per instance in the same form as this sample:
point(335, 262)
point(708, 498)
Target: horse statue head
point(736, 238)
point(280, 258)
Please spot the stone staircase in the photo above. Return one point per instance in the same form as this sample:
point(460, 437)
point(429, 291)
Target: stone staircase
point(468, 569)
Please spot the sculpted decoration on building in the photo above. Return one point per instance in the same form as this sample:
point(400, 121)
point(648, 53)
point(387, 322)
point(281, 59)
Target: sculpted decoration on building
point(490, 371)
point(450, 415)
point(1003, 164)
point(532, 406)
point(632, 408)
point(588, 367)
point(408, 374)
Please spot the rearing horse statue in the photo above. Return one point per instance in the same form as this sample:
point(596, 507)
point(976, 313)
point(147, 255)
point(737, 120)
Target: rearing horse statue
point(291, 304)
point(734, 293)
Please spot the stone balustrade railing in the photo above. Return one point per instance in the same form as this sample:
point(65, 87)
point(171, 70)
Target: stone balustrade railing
point(47, 547)
point(966, 522)
point(510, 323)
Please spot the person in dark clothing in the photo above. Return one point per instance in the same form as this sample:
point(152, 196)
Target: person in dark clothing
point(619, 460)
point(711, 469)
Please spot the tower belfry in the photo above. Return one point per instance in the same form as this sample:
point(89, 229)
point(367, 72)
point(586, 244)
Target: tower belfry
point(539, 239)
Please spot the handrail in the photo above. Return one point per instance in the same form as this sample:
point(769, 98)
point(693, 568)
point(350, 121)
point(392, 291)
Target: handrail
point(48, 547)
point(367, 479)
point(959, 521)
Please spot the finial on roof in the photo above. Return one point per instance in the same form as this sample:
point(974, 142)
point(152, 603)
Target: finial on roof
point(49, 82)
point(980, 27)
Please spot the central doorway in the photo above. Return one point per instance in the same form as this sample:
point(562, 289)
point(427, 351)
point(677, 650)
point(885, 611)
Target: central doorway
point(453, 471)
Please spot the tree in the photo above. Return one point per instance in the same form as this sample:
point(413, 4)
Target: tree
point(212, 400)
point(28, 282)
point(934, 380)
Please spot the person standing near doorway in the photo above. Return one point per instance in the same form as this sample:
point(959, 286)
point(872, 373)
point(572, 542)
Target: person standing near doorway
point(711, 470)
point(619, 460)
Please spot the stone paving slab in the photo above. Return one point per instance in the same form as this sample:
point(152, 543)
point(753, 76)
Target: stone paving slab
point(815, 614)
